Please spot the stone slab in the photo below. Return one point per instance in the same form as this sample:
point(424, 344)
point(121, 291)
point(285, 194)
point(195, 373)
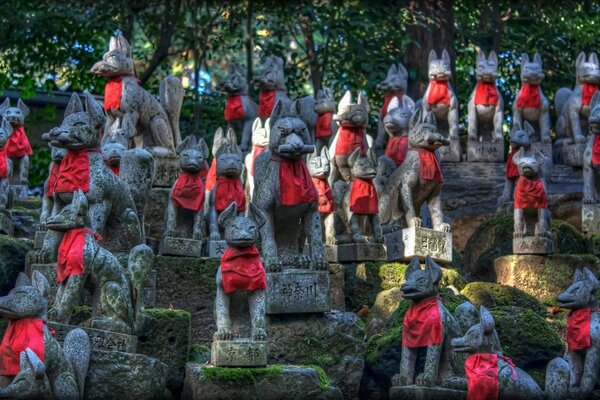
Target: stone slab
point(239, 353)
point(6, 224)
point(298, 291)
point(19, 192)
point(572, 154)
point(100, 339)
point(590, 218)
point(414, 392)
point(421, 242)
point(485, 151)
point(38, 241)
point(533, 245)
point(216, 248)
point(166, 171)
point(180, 247)
point(150, 290)
point(451, 153)
point(356, 252)
point(544, 148)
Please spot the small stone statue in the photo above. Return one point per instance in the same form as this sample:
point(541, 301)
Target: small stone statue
point(519, 138)
point(325, 126)
point(218, 139)
point(319, 167)
point(260, 141)
point(240, 110)
point(6, 131)
point(57, 155)
point(33, 365)
point(114, 145)
point(396, 124)
point(17, 148)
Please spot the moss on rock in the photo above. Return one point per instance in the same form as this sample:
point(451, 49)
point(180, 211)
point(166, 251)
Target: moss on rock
point(12, 260)
point(490, 295)
point(240, 375)
point(199, 353)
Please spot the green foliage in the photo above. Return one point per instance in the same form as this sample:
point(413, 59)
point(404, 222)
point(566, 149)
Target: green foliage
point(12, 260)
point(39, 163)
point(322, 375)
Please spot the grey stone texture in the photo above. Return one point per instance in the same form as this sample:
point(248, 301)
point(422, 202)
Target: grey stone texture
point(166, 170)
point(590, 218)
point(421, 242)
point(6, 224)
point(239, 353)
point(414, 392)
point(451, 153)
point(298, 291)
point(591, 173)
point(485, 151)
point(319, 167)
point(174, 246)
point(356, 252)
point(571, 154)
point(99, 339)
point(533, 245)
point(325, 103)
point(19, 171)
point(216, 248)
point(260, 140)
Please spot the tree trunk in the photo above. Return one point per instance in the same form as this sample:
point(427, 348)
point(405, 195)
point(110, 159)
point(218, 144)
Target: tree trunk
point(496, 27)
point(249, 46)
point(309, 44)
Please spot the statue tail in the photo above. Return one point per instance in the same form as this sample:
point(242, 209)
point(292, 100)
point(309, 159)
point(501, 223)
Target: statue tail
point(171, 98)
point(141, 262)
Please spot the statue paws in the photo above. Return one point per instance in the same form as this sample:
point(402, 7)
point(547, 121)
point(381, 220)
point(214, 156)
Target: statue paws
point(272, 264)
point(197, 236)
point(223, 333)
point(518, 234)
point(589, 199)
point(400, 380)
point(425, 379)
point(259, 334)
point(215, 236)
point(415, 222)
point(303, 261)
point(320, 263)
point(580, 139)
point(546, 140)
point(169, 233)
point(358, 238)
point(444, 227)
point(378, 238)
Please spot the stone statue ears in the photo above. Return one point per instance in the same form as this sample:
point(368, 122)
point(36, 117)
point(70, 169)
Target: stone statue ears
point(481, 56)
point(257, 216)
point(416, 118)
point(486, 320)
point(74, 105)
point(297, 110)
point(80, 202)
point(446, 56)
point(4, 106)
point(187, 143)
point(217, 141)
point(392, 71)
point(414, 266)
point(22, 280)
point(345, 102)
point(433, 269)
point(24, 109)
point(593, 58)
point(402, 70)
point(227, 216)
point(6, 126)
point(591, 279)
point(40, 282)
point(529, 129)
point(94, 111)
point(277, 112)
point(202, 147)
point(118, 42)
point(372, 156)
point(580, 59)
point(408, 103)
point(493, 57)
point(518, 155)
point(354, 157)
point(595, 100)
point(394, 103)
point(325, 153)
point(516, 127)
point(537, 59)
point(433, 56)
point(362, 99)
point(257, 124)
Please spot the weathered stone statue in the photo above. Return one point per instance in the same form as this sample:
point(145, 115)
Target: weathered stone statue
point(532, 233)
point(485, 113)
point(117, 293)
point(57, 155)
point(573, 109)
point(185, 209)
point(326, 127)
point(319, 167)
point(440, 99)
point(241, 285)
point(240, 110)
point(17, 148)
point(590, 212)
point(260, 141)
point(114, 146)
point(33, 365)
point(396, 124)
point(520, 137)
point(219, 138)
point(6, 224)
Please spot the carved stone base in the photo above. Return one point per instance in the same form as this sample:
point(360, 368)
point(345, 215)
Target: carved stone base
point(572, 154)
point(100, 339)
point(356, 252)
point(6, 224)
point(180, 247)
point(544, 148)
point(38, 241)
point(419, 242)
point(533, 245)
point(485, 151)
point(590, 218)
point(238, 353)
point(451, 153)
point(19, 192)
point(166, 171)
point(414, 392)
point(297, 291)
point(216, 248)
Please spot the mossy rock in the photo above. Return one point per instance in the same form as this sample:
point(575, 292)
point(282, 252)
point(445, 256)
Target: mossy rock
point(490, 295)
point(12, 260)
point(199, 354)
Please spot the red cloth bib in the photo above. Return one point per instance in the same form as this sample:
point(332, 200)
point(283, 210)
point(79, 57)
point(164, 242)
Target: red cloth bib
point(295, 183)
point(386, 102)
point(363, 197)
point(323, 125)
point(529, 96)
point(438, 93)
point(18, 144)
point(422, 324)
point(20, 335)
point(266, 102)
point(74, 172)
point(396, 148)
point(596, 150)
point(512, 171)
point(578, 328)
point(52, 179)
point(482, 375)
point(70, 253)
point(234, 108)
point(228, 191)
point(3, 164)
point(211, 177)
point(530, 193)
point(430, 166)
point(325, 195)
point(189, 191)
point(242, 269)
point(348, 140)
point(112, 93)
point(587, 92)
point(486, 93)
point(255, 153)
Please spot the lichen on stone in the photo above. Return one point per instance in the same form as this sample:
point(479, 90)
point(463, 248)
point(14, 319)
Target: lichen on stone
point(491, 295)
point(240, 375)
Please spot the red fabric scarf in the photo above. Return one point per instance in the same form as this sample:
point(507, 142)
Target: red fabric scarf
point(20, 335)
point(430, 166)
point(396, 148)
point(234, 108)
point(422, 324)
point(255, 153)
point(3, 164)
point(295, 183)
point(74, 172)
point(386, 101)
point(228, 191)
point(530, 193)
point(349, 139)
point(112, 93)
point(363, 197)
point(482, 375)
point(211, 177)
point(587, 92)
point(438, 93)
point(189, 191)
point(512, 171)
point(266, 102)
point(596, 150)
point(70, 253)
point(486, 93)
point(323, 125)
point(52, 179)
point(325, 195)
point(578, 328)
point(242, 269)
point(529, 96)
point(18, 144)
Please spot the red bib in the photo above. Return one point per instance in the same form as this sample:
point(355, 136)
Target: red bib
point(211, 177)
point(325, 195)
point(578, 328)
point(529, 96)
point(116, 169)
point(242, 269)
point(363, 197)
point(587, 92)
point(486, 93)
point(396, 148)
point(20, 335)
point(386, 102)
point(348, 140)
point(189, 191)
point(323, 125)
point(266, 102)
point(18, 144)
point(234, 108)
point(228, 191)
point(512, 171)
point(70, 254)
point(438, 93)
point(422, 324)
point(52, 179)
point(255, 153)
point(482, 375)
point(74, 172)
point(530, 193)
point(295, 183)
point(430, 166)
point(112, 93)
point(596, 150)
point(3, 164)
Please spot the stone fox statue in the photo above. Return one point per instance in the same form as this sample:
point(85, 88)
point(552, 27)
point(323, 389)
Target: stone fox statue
point(519, 137)
point(116, 204)
point(285, 193)
point(117, 293)
point(149, 123)
point(6, 131)
point(57, 155)
point(18, 148)
point(241, 275)
point(326, 126)
point(260, 141)
point(34, 365)
point(591, 156)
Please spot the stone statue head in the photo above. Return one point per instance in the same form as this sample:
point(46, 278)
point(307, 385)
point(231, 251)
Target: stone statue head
point(260, 132)
point(423, 132)
point(270, 75)
point(319, 165)
point(325, 102)
point(440, 69)
point(399, 113)
point(587, 71)
point(290, 137)
point(350, 114)
point(72, 216)
point(14, 115)
point(6, 131)
point(582, 292)
point(487, 68)
point(228, 155)
point(241, 231)
point(531, 71)
point(480, 338)
point(79, 129)
point(235, 81)
point(364, 168)
point(115, 141)
point(521, 136)
point(421, 283)
point(396, 79)
point(117, 60)
point(192, 154)
point(529, 163)
point(28, 299)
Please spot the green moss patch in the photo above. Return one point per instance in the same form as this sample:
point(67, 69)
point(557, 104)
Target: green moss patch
point(490, 295)
point(322, 375)
point(199, 354)
point(240, 375)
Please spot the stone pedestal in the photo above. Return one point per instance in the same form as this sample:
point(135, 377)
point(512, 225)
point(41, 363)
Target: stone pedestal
point(590, 218)
point(297, 291)
point(420, 242)
point(414, 392)
point(544, 148)
point(38, 241)
point(100, 339)
point(180, 247)
point(166, 170)
point(154, 215)
point(485, 151)
point(533, 245)
point(238, 353)
point(356, 252)
point(216, 248)
point(19, 192)
point(451, 153)
point(6, 224)
point(572, 154)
